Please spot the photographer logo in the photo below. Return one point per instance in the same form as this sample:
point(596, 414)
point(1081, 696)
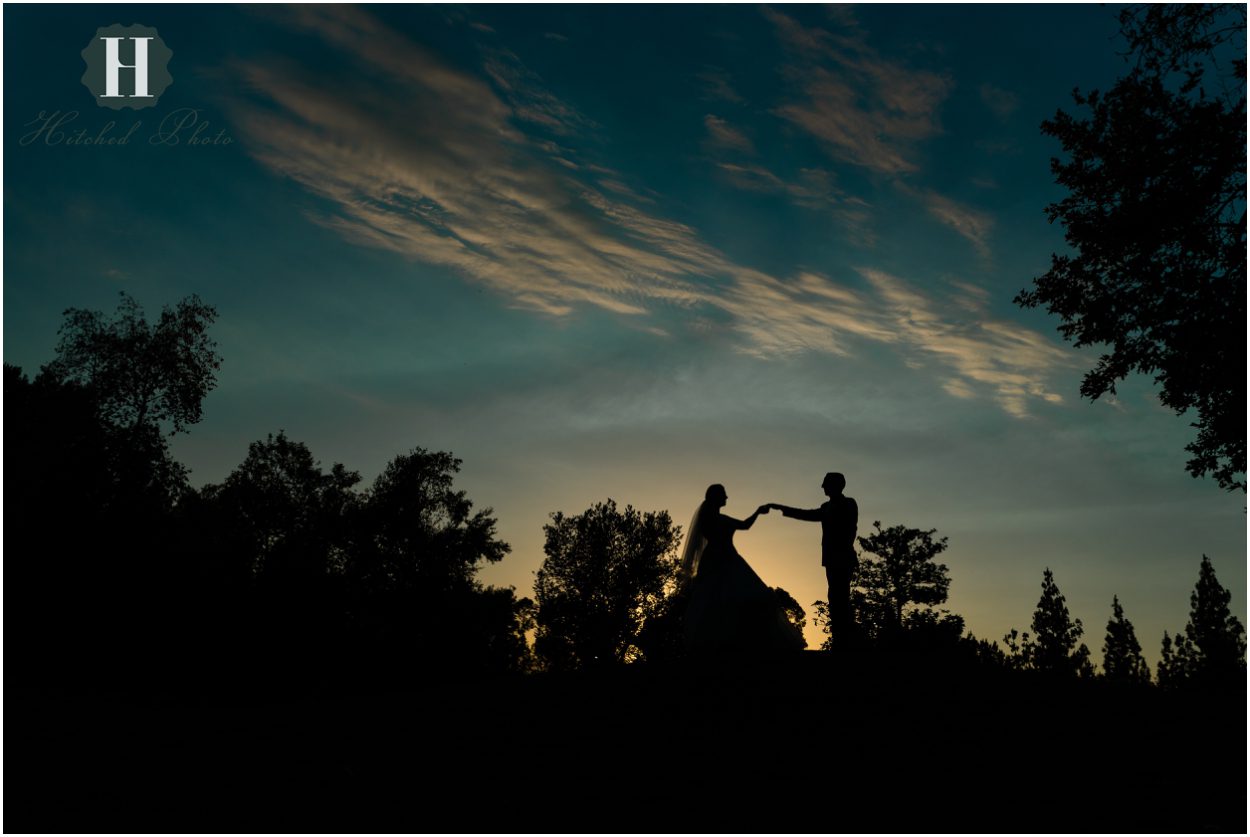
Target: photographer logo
point(127, 66)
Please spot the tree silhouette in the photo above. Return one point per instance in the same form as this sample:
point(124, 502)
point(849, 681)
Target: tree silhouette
point(1121, 652)
point(411, 569)
point(1171, 671)
point(1213, 647)
point(422, 532)
point(285, 514)
point(606, 572)
point(386, 577)
point(795, 615)
point(141, 379)
point(1054, 646)
point(141, 374)
point(898, 581)
point(1156, 216)
point(100, 485)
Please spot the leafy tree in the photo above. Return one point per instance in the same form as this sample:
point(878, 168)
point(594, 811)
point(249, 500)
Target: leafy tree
point(140, 379)
point(606, 572)
point(386, 575)
point(1213, 646)
point(1155, 215)
point(285, 514)
point(1121, 652)
point(86, 442)
point(141, 374)
point(423, 533)
point(1054, 646)
point(411, 570)
point(897, 578)
point(795, 615)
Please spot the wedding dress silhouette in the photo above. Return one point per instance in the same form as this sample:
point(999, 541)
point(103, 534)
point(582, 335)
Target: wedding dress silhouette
point(730, 610)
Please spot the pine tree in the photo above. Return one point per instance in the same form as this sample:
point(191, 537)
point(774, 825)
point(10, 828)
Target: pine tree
point(1171, 669)
point(1213, 647)
point(1121, 652)
point(1056, 645)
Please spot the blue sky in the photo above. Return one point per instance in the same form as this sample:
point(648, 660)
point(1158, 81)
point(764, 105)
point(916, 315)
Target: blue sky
point(617, 252)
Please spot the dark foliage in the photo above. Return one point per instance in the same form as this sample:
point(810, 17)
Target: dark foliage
point(89, 534)
point(607, 572)
point(1121, 652)
point(284, 574)
point(1212, 649)
point(898, 585)
point(291, 650)
point(1054, 647)
point(794, 612)
point(141, 374)
point(386, 576)
point(1155, 217)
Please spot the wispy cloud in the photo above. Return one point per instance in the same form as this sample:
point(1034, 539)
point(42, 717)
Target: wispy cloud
point(1011, 363)
point(972, 224)
point(456, 176)
point(529, 99)
point(722, 135)
point(814, 189)
point(864, 108)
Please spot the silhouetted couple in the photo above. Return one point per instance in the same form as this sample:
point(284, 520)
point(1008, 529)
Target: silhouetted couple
point(731, 610)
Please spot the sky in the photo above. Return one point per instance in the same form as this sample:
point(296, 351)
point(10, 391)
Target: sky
point(610, 252)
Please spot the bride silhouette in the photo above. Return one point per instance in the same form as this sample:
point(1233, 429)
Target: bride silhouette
point(730, 610)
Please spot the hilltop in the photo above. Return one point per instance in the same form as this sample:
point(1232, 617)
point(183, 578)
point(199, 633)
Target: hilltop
point(851, 742)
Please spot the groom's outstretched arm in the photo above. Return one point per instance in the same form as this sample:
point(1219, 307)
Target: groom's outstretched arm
point(814, 515)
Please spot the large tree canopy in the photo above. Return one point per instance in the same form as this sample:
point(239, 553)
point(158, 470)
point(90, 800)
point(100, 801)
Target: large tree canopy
point(1155, 217)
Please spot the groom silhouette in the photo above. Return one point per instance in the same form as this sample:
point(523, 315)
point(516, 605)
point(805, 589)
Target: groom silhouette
point(839, 519)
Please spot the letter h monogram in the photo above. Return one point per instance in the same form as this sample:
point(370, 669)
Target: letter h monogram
point(113, 64)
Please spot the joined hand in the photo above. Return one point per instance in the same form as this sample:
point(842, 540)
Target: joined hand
point(763, 509)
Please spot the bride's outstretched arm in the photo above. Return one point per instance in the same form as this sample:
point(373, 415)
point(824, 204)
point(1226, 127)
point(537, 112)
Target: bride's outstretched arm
point(750, 521)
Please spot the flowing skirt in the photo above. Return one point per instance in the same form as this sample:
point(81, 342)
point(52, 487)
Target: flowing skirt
point(733, 612)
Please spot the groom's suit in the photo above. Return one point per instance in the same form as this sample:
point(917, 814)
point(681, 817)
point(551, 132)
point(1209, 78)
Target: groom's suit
point(839, 521)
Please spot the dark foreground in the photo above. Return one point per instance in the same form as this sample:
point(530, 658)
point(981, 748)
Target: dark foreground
point(848, 743)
